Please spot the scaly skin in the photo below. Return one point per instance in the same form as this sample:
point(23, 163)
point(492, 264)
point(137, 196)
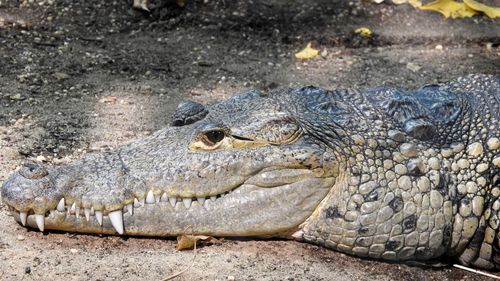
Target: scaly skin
point(384, 174)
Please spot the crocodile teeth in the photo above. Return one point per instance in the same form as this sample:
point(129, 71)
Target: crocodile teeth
point(23, 216)
point(72, 210)
point(150, 198)
point(61, 205)
point(98, 216)
point(136, 203)
point(164, 198)
point(213, 198)
point(77, 212)
point(92, 212)
point(87, 213)
point(40, 221)
point(172, 200)
point(116, 218)
point(201, 200)
point(187, 202)
point(52, 212)
point(130, 208)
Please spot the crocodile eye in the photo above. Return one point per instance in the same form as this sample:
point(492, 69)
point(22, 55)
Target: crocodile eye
point(213, 137)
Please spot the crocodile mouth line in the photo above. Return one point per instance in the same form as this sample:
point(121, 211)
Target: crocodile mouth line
point(72, 211)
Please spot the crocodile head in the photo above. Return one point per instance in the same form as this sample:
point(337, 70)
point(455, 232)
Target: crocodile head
point(252, 165)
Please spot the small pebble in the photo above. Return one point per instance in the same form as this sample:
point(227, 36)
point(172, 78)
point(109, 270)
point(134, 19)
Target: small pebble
point(231, 278)
point(413, 67)
point(16, 97)
point(41, 158)
point(439, 47)
point(20, 237)
point(73, 251)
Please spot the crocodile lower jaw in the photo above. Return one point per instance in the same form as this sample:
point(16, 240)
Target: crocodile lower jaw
point(76, 215)
point(245, 211)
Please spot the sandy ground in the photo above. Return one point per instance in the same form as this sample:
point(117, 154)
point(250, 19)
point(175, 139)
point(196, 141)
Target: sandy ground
point(83, 76)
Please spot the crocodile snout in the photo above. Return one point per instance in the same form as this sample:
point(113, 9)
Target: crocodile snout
point(31, 190)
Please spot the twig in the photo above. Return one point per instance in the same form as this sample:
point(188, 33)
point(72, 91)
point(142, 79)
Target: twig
point(90, 39)
point(476, 271)
point(45, 44)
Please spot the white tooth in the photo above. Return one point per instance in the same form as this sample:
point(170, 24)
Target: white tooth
point(87, 213)
point(40, 222)
point(77, 212)
point(98, 216)
point(61, 206)
point(116, 218)
point(73, 209)
point(52, 212)
point(187, 202)
point(142, 201)
point(157, 199)
point(130, 209)
point(201, 200)
point(213, 198)
point(164, 198)
point(23, 216)
point(150, 198)
point(172, 201)
point(136, 203)
point(92, 211)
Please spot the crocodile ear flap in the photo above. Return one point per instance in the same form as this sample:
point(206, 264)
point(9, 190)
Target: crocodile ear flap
point(187, 113)
point(414, 118)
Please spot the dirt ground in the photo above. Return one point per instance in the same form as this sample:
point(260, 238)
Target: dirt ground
point(83, 76)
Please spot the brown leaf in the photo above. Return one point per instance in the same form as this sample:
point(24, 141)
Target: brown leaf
point(187, 242)
point(109, 99)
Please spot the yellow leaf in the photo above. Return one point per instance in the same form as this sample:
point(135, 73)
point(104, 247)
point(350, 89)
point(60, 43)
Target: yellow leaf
point(450, 8)
point(492, 12)
point(307, 53)
point(364, 31)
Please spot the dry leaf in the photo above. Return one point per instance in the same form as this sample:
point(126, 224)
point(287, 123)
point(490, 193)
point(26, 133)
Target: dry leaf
point(364, 31)
point(450, 8)
point(307, 53)
point(109, 99)
point(141, 4)
point(187, 242)
point(491, 12)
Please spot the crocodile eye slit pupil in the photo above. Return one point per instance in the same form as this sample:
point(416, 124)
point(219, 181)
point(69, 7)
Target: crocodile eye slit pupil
point(215, 136)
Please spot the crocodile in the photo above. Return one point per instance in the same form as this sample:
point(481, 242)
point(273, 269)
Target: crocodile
point(384, 173)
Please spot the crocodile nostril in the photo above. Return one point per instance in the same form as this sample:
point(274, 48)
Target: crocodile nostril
point(33, 171)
